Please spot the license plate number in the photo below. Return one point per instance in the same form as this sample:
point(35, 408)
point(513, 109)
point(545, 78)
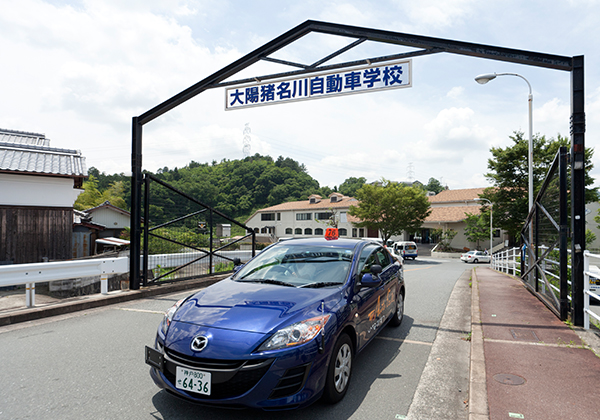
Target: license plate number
point(193, 380)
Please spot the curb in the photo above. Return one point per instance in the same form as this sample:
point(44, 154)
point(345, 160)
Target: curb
point(98, 300)
point(478, 402)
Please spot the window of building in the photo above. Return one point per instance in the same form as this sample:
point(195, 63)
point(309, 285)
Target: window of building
point(323, 216)
point(343, 232)
point(318, 231)
point(303, 216)
point(354, 233)
point(288, 231)
point(308, 231)
point(278, 216)
point(256, 230)
point(267, 216)
point(298, 231)
point(361, 233)
point(343, 217)
point(496, 233)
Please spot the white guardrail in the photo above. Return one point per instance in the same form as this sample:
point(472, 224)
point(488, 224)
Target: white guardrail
point(591, 286)
point(30, 274)
point(507, 261)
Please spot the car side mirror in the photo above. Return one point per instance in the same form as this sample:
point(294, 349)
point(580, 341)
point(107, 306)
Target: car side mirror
point(371, 279)
point(237, 264)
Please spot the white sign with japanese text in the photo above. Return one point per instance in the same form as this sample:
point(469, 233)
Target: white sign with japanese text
point(368, 78)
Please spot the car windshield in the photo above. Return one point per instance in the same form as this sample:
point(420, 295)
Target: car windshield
point(298, 266)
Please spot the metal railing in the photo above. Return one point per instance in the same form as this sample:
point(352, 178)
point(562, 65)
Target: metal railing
point(507, 261)
point(591, 275)
point(30, 274)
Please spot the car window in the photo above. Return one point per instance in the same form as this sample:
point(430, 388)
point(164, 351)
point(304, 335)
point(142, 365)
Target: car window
point(373, 255)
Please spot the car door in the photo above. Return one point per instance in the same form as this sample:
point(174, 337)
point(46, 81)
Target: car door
point(373, 304)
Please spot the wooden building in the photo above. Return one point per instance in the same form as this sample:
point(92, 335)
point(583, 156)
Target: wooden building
point(38, 186)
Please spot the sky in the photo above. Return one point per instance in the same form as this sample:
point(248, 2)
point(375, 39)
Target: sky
point(79, 71)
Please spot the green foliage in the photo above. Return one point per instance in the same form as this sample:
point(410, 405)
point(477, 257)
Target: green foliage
point(93, 196)
point(351, 185)
point(223, 267)
point(391, 208)
point(90, 197)
point(478, 227)
point(444, 239)
point(435, 186)
point(509, 174)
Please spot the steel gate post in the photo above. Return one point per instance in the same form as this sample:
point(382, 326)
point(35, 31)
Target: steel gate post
point(136, 203)
point(564, 232)
point(577, 187)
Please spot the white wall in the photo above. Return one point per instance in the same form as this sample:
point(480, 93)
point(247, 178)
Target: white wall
point(43, 191)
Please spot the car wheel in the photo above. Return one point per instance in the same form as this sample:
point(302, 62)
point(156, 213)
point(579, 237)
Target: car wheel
point(399, 312)
point(475, 260)
point(339, 370)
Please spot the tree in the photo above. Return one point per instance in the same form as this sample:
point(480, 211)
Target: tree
point(390, 208)
point(435, 186)
point(90, 197)
point(510, 178)
point(478, 227)
point(351, 185)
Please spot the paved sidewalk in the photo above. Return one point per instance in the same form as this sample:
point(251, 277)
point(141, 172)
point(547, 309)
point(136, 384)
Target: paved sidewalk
point(526, 363)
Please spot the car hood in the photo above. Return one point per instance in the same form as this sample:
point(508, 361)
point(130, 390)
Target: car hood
point(253, 307)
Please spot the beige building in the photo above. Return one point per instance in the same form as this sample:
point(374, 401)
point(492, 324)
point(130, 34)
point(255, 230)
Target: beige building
point(301, 219)
point(449, 210)
point(310, 218)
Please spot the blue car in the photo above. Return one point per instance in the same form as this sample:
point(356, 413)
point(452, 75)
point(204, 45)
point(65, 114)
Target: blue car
point(283, 330)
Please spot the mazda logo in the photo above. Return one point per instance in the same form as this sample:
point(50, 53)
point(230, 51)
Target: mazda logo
point(199, 343)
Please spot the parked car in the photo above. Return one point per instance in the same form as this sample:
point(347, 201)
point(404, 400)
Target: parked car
point(475, 257)
point(283, 331)
point(407, 249)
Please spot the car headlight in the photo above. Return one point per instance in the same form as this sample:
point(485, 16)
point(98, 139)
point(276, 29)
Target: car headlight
point(169, 317)
point(296, 334)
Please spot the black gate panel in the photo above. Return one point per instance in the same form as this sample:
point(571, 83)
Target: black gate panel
point(184, 238)
point(544, 237)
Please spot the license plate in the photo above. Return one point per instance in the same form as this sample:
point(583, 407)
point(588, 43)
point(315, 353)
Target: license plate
point(155, 358)
point(193, 380)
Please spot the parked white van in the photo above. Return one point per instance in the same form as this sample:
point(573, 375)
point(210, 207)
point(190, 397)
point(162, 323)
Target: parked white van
point(406, 249)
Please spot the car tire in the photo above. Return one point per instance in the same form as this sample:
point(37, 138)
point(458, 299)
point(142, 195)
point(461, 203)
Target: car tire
point(398, 316)
point(475, 260)
point(339, 370)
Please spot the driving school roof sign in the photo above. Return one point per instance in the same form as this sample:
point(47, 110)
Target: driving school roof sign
point(361, 79)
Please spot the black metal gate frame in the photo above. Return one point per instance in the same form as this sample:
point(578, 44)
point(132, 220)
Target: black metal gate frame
point(426, 46)
point(148, 231)
point(559, 306)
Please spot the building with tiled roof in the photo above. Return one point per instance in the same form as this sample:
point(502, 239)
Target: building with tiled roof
point(308, 218)
point(449, 211)
point(38, 187)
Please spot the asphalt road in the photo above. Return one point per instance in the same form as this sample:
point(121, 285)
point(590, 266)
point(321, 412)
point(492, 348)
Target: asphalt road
point(91, 364)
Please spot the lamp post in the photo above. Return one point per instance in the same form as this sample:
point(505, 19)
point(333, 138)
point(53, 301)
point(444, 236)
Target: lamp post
point(491, 220)
point(482, 80)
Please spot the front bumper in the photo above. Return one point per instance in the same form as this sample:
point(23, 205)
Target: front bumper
point(283, 380)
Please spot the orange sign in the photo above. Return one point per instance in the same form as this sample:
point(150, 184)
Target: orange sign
point(331, 233)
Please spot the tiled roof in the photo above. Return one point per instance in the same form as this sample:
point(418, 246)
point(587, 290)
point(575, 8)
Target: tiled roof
point(450, 214)
point(31, 153)
point(453, 196)
point(342, 202)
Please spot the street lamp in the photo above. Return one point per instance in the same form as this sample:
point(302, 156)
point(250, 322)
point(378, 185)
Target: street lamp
point(491, 220)
point(482, 80)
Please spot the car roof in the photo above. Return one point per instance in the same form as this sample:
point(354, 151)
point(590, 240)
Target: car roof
point(334, 243)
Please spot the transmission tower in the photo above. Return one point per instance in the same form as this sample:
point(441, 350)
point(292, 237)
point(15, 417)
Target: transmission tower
point(247, 140)
point(411, 172)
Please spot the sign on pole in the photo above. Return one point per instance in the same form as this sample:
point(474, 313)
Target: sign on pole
point(368, 78)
